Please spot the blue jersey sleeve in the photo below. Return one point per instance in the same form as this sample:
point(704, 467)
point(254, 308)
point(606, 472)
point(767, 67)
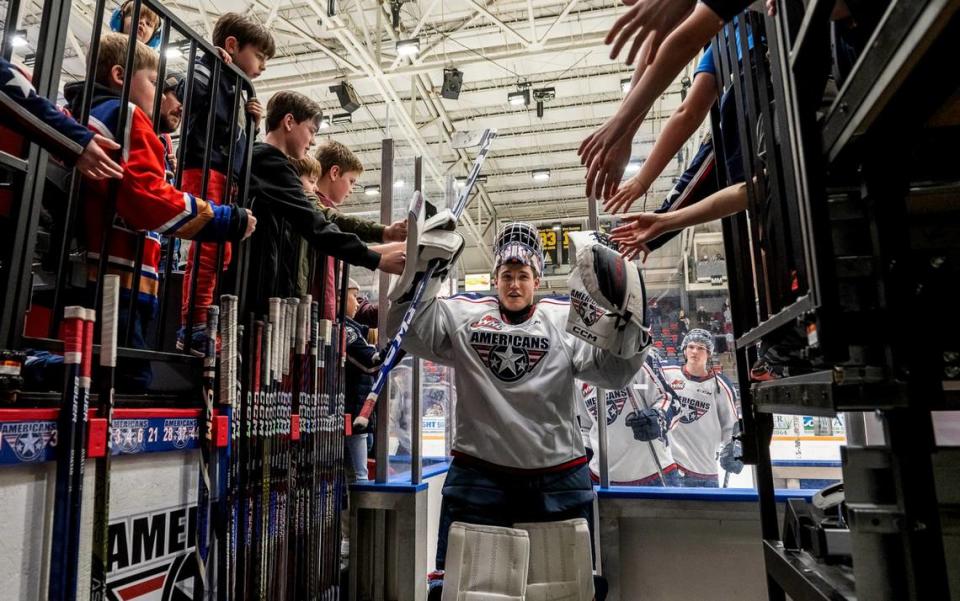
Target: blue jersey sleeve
point(706, 64)
point(15, 85)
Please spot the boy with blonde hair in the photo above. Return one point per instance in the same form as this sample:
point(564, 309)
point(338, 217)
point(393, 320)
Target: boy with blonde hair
point(340, 169)
point(148, 23)
point(145, 201)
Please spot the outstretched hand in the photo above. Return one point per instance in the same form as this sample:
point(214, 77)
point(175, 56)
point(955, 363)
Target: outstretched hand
point(631, 190)
point(647, 21)
point(633, 235)
point(95, 163)
point(605, 153)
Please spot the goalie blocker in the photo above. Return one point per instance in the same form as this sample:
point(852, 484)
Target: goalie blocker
point(433, 245)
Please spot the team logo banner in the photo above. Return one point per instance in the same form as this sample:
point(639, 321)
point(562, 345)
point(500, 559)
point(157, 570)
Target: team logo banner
point(151, 556)
point(28, 441)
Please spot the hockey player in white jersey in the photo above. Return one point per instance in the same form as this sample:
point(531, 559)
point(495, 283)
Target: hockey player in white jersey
point(517, 453)
point(631, 462)
point(701, 416)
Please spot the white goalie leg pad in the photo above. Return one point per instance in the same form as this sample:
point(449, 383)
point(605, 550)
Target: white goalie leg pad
point(613, 282)
point(435, 239)
point(486, 563)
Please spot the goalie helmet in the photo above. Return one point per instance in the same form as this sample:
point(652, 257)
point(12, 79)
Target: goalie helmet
point(518, 242)
point(699, 336)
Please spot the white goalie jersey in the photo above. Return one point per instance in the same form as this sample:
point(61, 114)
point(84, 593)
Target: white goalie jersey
point(630, 461)
point(517, 404)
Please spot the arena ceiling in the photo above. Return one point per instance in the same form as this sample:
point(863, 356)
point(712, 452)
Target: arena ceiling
point(498, 45)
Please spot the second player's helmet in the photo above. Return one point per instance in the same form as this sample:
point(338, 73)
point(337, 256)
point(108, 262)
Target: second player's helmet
point(699, 336)
point(519, 243)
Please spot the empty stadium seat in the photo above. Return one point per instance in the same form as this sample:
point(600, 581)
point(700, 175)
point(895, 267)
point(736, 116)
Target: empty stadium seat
point(561, 564)
point(486, 563)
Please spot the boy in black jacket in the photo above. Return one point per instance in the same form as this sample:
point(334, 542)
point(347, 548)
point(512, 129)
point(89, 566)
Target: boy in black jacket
point(285, 213)
point(363, 362)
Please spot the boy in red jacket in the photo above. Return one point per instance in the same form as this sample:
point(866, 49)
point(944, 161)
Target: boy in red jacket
point(145, 201)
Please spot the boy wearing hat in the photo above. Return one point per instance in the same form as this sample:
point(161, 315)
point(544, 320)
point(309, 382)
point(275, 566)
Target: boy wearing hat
point(363, 363)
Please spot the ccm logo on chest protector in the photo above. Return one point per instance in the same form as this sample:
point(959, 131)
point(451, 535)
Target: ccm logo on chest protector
point(509, 356)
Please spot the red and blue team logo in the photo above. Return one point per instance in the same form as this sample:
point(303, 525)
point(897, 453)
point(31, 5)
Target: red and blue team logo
point(488, 322)
point(509, 356)
point(588, 310)
point(29, 440)
point(692, 409)
point(616, 399)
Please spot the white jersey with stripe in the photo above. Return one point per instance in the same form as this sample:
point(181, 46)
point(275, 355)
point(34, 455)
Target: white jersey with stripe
point(629, 460)
point(706, 414)
point(517, 403)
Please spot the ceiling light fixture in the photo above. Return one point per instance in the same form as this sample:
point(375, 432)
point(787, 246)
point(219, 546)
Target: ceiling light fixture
point(540, 175)
point(173, 53)
point(625, 85)
point(519, 98)
point(409, 47)
point(399, 183)
point(341, 118)
point(324, 123)
point(19, 39)
point(632, 167)
point(371, 190)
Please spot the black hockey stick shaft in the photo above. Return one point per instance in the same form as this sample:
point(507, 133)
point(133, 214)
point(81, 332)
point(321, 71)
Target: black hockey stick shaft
point(100, 553)
point(80, 454)
point(227, 397)
point(66, 431)
point(202, 549)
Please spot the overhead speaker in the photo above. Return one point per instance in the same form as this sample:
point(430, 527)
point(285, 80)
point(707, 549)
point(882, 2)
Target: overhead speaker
point(452, 81)
point(349, 100)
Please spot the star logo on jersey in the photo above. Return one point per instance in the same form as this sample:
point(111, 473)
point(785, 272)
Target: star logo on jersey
point(588, 310)
point(509, 356)
point(692, 409)
point(616, 399)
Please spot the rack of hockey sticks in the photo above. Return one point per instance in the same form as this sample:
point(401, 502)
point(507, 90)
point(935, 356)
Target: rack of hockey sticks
point(280, 480)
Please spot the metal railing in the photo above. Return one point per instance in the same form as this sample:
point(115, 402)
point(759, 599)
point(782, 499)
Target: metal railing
point(21, 273)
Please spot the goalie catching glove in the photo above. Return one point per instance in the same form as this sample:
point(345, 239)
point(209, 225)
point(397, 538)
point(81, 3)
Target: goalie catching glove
point(607, 307)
